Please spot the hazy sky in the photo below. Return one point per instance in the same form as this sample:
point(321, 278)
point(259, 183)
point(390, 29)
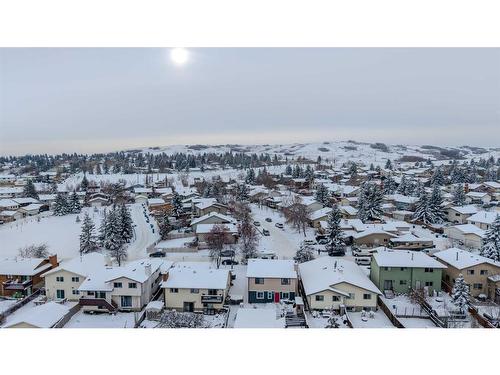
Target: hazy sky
point(86, 100)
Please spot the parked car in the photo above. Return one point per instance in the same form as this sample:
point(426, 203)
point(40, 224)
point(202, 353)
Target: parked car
point(266, 255)
point(229, 262)
point(227, 253)
point(268, 219)
point(157, 254)
point(265, 232)
point(309, 242)
point(256, 223)
point(337, 253)
point(279, 225)
point(363, 261)
point(362, 252)
point(323, 241)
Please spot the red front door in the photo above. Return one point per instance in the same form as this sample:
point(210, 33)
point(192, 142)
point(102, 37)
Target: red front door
point(276, 297)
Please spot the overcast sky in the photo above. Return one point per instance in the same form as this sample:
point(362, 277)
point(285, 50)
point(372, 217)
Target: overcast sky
point(87, 100)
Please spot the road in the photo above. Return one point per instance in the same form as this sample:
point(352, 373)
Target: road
point(144, 235)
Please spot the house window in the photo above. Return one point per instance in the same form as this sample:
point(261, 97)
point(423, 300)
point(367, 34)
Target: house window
point(132, 285)
point(75, 292)
point(75, 279)
point(285, 281)
point(320, 298)
point(335, 298)
point(403, 268)
point(477, 286)
point(284, 295)
point(428, 269)
point(117, 285)
point(352, 296)
point(402, 282)
point(60, 279)
point(470, 272)
point(195, 291)
point(367, 296)
point(126, 301)
point(174, 290)
point(90, 293)
point(483, 272)
point(260, 295)
point(387, 268)
point(270, 295)
point(429, 283)
point(60, 293)
point(259, 280)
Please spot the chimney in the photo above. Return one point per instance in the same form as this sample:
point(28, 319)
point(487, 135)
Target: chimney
point(457, 255)
point(53, 260)
point(147, 268)
point(164, 276)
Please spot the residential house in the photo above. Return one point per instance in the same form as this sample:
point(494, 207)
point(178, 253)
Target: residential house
point(410, 241)
point(476, 197)
point(203, 232)
point(483, 219)
point(460, 214)
point(474, 268)
point(212, 218)
point(468, 235)
point(42, 316)
point(319, 215)
point(271, 280)
point(401, 270)
point(372, 237)
point(334, 282)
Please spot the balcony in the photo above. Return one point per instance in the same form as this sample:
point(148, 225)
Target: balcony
point(85, 301)
point(212, 299)
point(17, 284)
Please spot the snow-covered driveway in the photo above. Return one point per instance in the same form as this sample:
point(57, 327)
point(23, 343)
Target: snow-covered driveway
point(144, 235)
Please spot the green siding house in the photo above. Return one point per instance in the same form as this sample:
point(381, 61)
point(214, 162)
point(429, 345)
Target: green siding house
point(402, 270)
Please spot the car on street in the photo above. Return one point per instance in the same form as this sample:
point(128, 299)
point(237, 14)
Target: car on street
point(157, 254)
point(322, 241)
point(279, 225)
point(265, 232)
point(227, 253)
point(268, 219)
point(309, 242)
point(256, 223)
point(363, 261)
point(229, 262)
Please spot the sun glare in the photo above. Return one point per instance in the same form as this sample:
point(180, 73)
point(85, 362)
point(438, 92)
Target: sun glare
point(179, 56)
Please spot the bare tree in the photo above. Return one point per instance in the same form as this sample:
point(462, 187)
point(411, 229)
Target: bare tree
point(174, 319)
point(34, 251)
point(119, 253)
point(297, 215)
point(218, 236)
point(249, 239)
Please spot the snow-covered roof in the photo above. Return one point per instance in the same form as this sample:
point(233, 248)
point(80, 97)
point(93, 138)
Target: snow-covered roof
point(8, 203)
point(492, 184)
point(325, 273)
point(271, 268)
point(484, 217)
point(468, 229)
point(465, 210)
point(409, 237)
point(9, 213)
point(258, 318)
point(405, 258)
point(23, 266)
point(476, 194)
point(143, 190)
point(350, 210)
point(371, 231)
point(193, 275)
point(32, 207)
point(165, 191)
point(25, 200)
point(206, 228)
point(42, 316)
point(315, 215)
point(82, 266)
point(155, 201)
point(223, 218)
point(461, 259)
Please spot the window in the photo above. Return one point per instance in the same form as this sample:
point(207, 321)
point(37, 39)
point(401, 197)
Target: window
point(429, 283)
point(174, 290)
point(117, 285)
point(75, 279)
point(270, 295)
point(367, 296)
point(320, 297)
point(195, 291)
point(402, 282)
point(60, 279)
point(259, 280)
point(126, 301)
point(352, 296)
point(284, 295)
point(403, 268)
point(260, 295)
point(335, 298)
point(75, 292)
point(477, 286)
point(60, 293)
point(470, 272)
point(387, 268)
point(285, 281)
point(428, 269)
point(90, 293)
point(132, 285)
point(483, 272)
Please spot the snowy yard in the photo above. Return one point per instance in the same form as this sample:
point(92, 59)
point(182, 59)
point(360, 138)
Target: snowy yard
point(417, 323)
point(379, 320)
point(6, 304)
point(119, 320)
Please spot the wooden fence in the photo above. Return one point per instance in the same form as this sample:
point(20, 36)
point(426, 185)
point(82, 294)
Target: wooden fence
point(61, 323)
point(394, 320)
point(19, 304)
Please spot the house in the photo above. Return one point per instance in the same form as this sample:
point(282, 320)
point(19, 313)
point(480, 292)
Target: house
point(402, 215)
point(32, 209)
point(348, 212)
point(257, 318)
point(126, 288)
point(474, 268)
point(195, 287)
point(42, 316)
point(8, 205)
point(148, 192)
point(204, 206)
point(476, 197)
point(22, 276)
point(212, 218)
point(402, 202)
point(63, 281)
point(98, 200)
point(271, 280)
point(141, 199)
point(158, 205)
point(9, 216)
point(319, 215)
point(411, 241)
point(372, 237)
point(460, 214)
point(332, 283)
point(483, 219)
point(203, 232)
point(402, 270)
point(468, 235)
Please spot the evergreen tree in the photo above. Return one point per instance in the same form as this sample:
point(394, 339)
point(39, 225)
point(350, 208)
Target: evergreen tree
point(370, 202)
point(88, 242)
point(127, 230)
point(419, 189)
point(491, 241)
point(61, 206)
point(304, 254)
point(460, 293)
point(389, 185)
point(322, 195)
point(30, 191)
point(74, 205)
point(336, 242)
point(84, 184)
point(403, 186)
point(113, 230)
point(165, 226)
point(458, 195)
point(53, 187)
point(423, 210)
point(250, 178)
point(288, 170)
point(388, 164)
point(436, 205)
point(176, 205)
point(437, 177)
point(241, 192)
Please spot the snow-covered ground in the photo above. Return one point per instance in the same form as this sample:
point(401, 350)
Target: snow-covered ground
point(144, 233)
point(26, 310)
point(417, 323)
point(118, 320)
point(6, 304)
point(379, 320)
